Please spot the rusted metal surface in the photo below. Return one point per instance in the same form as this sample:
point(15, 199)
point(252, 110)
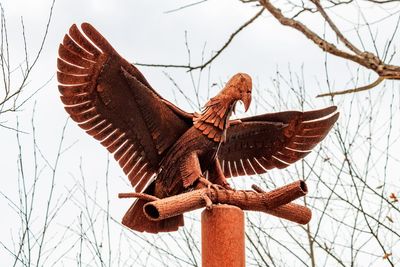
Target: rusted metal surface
point(245, 200)
point(276, 202)
point(163, 150)
point(222, 236)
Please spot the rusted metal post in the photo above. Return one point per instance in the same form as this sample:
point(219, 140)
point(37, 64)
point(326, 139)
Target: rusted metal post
point(222, 236)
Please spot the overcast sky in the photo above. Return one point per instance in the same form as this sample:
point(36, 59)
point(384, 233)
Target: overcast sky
point(144, 31)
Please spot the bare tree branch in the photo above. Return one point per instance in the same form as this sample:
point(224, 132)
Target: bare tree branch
point(335, 28)
point(355, 90)
point(185, 6)
point(12, 93)
point(190, 67)
point(366, 59)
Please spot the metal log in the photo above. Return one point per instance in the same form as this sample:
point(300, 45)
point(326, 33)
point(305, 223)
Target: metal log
point(275, 202)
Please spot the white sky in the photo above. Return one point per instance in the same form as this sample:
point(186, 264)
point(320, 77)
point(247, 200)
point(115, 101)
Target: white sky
point(141, 31)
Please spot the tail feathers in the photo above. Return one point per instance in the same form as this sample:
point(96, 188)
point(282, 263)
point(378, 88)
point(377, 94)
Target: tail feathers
point(136, 220)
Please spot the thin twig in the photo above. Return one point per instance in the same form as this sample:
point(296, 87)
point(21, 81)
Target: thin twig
point(355, 90)
point(218, 52)
point(339, 34)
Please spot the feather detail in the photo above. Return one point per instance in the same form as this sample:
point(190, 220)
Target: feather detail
point(214, 120)
point(112, 101)
point(274, 140)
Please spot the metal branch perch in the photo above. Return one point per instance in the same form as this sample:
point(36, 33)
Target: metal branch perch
point(276, 202)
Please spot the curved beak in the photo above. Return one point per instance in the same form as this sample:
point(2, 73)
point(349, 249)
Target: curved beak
point(246, 101)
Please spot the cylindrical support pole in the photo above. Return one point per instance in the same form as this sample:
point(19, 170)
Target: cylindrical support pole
point(222, 237)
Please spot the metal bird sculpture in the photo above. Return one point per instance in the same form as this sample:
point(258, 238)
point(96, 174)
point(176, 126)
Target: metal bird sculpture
point(162, 149)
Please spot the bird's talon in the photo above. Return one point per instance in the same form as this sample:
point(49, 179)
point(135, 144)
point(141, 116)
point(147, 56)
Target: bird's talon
point(217, 187)
point(208, 201)
point(227, 186)
point(209, 185)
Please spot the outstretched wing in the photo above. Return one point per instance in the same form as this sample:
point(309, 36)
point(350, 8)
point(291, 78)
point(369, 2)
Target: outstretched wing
point(111, 100)
point(273, 140)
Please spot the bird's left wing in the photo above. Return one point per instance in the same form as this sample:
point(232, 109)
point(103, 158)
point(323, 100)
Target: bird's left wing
point(273, 140)
point(112, 101)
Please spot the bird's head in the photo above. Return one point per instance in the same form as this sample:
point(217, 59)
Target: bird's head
point(239, 88)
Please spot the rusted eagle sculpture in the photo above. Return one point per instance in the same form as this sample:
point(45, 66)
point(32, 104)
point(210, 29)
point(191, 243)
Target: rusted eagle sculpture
point(162, 149)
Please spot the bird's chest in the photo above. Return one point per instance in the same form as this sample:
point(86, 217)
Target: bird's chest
point(192, 142)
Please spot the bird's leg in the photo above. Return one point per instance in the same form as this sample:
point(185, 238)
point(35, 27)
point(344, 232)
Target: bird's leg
point(217, 176)
point(191, 171)
point(203, 182)
point(207, 200)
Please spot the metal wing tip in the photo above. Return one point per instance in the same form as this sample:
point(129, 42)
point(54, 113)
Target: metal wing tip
point(330, 113)
point(319, 113)
point(86, 24)
point(328, 110)
point(332, 117)
point(73, 28)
